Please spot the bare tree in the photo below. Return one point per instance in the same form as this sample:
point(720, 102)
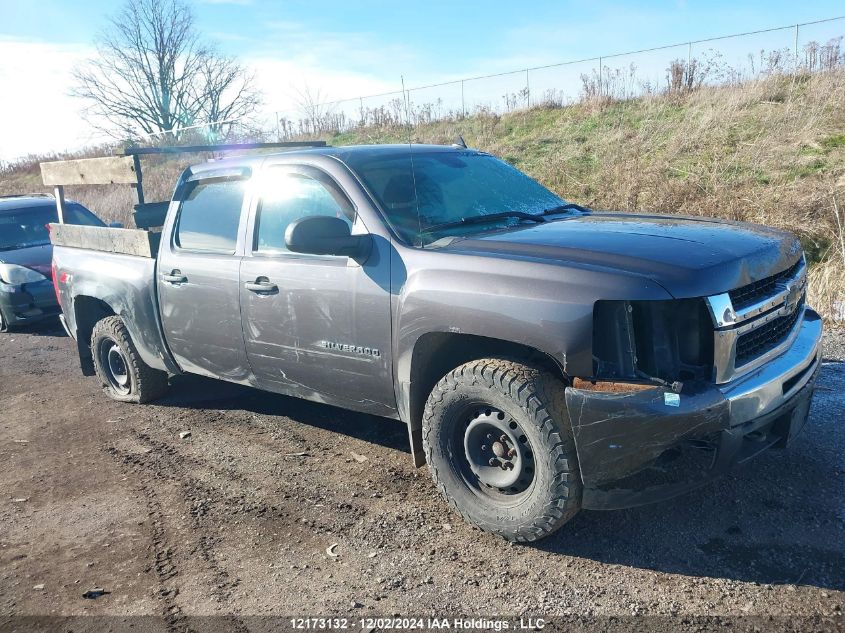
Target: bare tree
point(228, 93)
point(317, 116)
point(153, 73)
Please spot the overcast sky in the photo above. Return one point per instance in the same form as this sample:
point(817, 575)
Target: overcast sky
point(344, 49)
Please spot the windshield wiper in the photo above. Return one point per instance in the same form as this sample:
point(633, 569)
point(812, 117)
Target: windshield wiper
point(569, 206)
point(483, 219)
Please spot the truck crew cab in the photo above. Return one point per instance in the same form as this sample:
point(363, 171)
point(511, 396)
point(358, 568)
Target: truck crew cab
point(545, 357)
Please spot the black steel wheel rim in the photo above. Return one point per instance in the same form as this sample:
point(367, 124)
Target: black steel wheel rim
point(115, 367)
point(494, 454)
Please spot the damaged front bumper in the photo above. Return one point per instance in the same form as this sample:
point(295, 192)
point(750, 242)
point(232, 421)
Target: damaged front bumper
point(638, 447)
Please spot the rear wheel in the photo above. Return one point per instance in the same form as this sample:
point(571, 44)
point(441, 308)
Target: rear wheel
point(500, 449)
point(4, 325)
point(125, 377)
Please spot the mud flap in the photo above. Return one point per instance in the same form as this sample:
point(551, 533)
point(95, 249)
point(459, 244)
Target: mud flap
point(619, 434)
point(86, 359)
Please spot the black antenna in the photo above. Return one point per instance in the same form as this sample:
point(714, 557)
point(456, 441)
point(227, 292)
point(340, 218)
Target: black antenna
point(411, 154)
point(461, 142)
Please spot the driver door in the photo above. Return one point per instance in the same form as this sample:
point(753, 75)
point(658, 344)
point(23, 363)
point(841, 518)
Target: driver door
point(315, 326)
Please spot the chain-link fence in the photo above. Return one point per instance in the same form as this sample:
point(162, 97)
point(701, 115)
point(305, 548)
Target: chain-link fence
point(807, 47)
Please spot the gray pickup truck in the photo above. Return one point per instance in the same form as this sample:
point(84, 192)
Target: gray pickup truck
point(545, 357)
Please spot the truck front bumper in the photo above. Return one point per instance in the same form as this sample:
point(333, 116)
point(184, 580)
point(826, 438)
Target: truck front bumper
point(28, 303)
point(649, 445)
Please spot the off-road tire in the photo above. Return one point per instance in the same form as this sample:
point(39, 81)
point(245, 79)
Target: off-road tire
point(144, 383)
point(535, 400)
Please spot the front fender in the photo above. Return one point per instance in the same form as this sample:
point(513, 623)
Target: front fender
point(541, 306)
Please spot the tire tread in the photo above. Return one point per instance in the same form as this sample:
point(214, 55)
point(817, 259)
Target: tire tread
point(148, 384)
point(541, 396)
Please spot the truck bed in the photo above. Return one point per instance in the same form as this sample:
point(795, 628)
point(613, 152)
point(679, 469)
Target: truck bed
point(138, 242)
point(123, 282)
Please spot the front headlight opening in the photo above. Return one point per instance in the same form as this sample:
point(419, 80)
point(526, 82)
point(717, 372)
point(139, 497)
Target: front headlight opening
point(14, 275)
point(670, 340)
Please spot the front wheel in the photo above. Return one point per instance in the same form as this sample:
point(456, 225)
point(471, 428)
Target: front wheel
point(124, 375)
point(500, 449)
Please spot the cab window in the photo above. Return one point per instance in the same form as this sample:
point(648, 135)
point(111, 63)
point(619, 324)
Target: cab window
point(285, 196)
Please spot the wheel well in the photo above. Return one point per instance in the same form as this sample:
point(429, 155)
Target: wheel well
point(438, 353)
point(87, 312)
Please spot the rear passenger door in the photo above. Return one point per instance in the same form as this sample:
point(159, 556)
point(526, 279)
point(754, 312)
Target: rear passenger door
point(198, 276)
point(316, 326)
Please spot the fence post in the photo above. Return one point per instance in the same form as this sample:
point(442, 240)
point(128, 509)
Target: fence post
point(527, 89)
point(59, 194)
point(138, 186)
point(600, 86)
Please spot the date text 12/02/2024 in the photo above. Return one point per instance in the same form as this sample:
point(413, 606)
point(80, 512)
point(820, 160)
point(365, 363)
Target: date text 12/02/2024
point(429, 623)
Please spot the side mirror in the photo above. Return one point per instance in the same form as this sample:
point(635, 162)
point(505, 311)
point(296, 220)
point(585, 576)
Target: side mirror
point(115, 225)
point(325, 235)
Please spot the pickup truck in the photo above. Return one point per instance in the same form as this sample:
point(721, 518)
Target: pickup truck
point(545, 357)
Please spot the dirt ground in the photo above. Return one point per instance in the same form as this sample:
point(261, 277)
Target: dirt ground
point(237, 518)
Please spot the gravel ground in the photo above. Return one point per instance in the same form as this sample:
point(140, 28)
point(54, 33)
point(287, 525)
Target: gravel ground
point(834, 345)
point(237, 518)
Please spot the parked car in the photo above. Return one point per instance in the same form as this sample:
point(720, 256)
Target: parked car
point(545, 357)
point(26, 291)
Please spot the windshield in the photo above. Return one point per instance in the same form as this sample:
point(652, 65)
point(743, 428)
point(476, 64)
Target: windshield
point(451, 187)
point(22, 228)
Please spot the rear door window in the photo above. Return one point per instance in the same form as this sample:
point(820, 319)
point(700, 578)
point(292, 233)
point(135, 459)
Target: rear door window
point(210, 214)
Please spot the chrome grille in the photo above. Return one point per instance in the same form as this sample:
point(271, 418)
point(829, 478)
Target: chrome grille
point(752, 293)
point(765, 338)
point(757, 321)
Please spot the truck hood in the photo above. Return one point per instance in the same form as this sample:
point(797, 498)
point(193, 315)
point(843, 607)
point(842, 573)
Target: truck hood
point(689, 257)
point(36, 257)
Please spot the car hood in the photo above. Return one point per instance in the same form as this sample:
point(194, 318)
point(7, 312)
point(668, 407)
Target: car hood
point(689, 257)
point(36, 257)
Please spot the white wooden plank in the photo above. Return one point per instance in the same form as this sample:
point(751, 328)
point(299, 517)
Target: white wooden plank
point(107, 239)
point(90, 171)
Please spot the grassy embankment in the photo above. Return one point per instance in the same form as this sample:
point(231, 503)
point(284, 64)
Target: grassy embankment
point(770, 151)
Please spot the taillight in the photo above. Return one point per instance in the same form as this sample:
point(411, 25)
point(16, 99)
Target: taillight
point(55, 272)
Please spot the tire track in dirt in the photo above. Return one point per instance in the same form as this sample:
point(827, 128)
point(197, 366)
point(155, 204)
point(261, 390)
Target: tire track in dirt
point(161, 550)
point(158, 461)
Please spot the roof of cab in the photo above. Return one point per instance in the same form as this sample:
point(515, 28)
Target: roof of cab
point(341, 153)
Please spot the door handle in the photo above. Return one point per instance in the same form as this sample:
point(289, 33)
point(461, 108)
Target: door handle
point(261, 285)
point(175, 277)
